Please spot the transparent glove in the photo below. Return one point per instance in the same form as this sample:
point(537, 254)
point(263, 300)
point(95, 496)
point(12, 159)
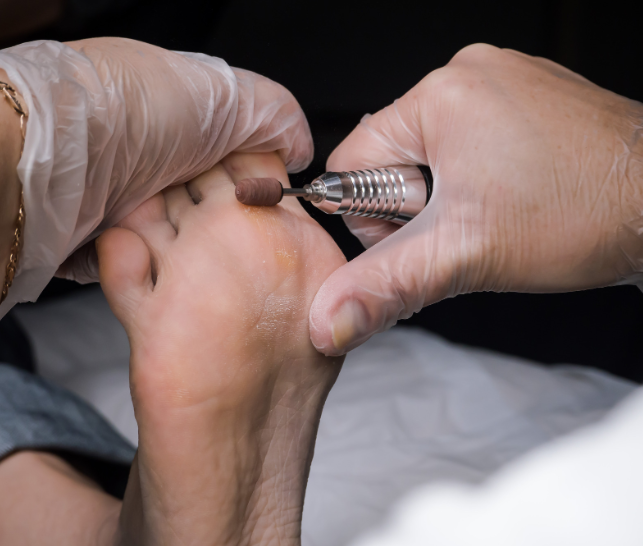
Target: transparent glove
point(114, 121)
point(538, 187)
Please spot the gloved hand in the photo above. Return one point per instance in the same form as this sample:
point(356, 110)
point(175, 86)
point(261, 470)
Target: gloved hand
point(114, 121)
point(538, 187)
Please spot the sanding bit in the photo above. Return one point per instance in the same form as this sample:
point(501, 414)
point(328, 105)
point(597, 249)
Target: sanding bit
point(397, 194)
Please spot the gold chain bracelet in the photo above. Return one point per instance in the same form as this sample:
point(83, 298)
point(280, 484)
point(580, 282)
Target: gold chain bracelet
point(11, 95)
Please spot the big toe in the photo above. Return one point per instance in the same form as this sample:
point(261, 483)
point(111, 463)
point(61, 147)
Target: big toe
point(125, 271)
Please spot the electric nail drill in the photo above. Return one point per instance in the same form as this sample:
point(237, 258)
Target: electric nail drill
point(397, 194)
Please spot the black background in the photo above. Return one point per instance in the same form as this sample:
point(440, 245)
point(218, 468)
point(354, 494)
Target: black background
point(342, 59)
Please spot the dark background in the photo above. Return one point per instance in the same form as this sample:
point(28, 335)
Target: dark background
point(342, 59)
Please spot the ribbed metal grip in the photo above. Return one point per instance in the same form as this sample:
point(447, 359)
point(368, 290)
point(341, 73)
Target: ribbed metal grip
point(396, 194)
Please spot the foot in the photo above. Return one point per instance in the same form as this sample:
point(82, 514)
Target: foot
point(227, 387)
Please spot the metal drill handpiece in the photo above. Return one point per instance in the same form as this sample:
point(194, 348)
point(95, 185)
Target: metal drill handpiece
point(396, 194)
point(314, 194)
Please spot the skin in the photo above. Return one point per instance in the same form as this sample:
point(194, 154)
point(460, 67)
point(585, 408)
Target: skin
point(45, 501)
point(227, 388)
point(10, 141)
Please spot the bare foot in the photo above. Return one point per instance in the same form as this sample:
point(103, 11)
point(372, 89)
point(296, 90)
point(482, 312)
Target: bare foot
point(227, 387)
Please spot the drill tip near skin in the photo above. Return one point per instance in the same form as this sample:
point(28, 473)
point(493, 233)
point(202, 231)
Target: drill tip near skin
point(259, 192)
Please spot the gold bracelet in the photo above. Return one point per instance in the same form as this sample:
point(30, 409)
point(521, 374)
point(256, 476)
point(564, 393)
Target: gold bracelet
point(11, 95)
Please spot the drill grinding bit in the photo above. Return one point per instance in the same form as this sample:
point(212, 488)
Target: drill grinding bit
point(267, 192)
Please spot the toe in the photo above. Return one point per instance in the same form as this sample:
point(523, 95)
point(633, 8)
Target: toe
point(216, 187)
point(125, 271)
point(150, 222)
point(242, 165)
point(178, 203)
point(151, 211)
point(212, 187)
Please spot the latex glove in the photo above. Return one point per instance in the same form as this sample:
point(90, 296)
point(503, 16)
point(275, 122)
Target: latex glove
point(114, 121)
point(538, 187)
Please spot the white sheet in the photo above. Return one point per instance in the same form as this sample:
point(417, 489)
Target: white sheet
point(408, 409)
point(585, 488)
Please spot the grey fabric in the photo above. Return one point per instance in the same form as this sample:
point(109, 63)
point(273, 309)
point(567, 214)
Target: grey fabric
point(38, 415)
